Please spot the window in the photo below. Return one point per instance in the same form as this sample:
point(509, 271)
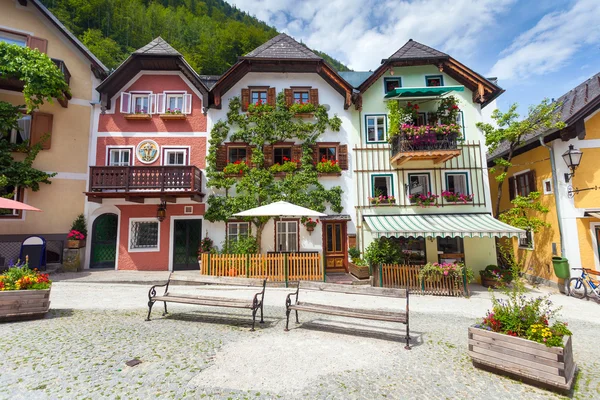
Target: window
point(287, 236)
point(282, 154)
point(457, 183)
point(119, 157)
point(301, 97)
point(376, 128)
point(421, 119)
point(143, 235)
point(548, 186)
point(237, 230)
point(175, 102)
point(434, 80)
point(460, 120)
point(140, 103)
point(413, 250)
point(327, 153)
point(12, 193)
point(237, 154)
point(258, 96)
point(22, 131)
point(527, 241)
point(175, 157)
point(418, 184)
point(382, 186)
point(390, 84)
point(12, 38)
point(450, 249)
point(521, 184)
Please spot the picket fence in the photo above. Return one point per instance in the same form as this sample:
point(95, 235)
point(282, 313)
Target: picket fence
point(407, 276)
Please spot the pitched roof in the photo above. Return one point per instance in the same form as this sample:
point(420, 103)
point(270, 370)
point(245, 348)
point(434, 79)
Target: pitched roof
point(355, 78)
point(575, 104)
point(414, 50)
point(283, 46)
point(209, 80)
point(158, 47)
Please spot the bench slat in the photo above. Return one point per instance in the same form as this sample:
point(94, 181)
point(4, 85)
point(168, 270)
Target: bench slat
point(352, 289)
point(204, 302)
point(217, 280)
point(351, 312)
point(192, 296)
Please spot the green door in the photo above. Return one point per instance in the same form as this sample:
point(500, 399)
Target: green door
point(186, 240)
point(104, 241)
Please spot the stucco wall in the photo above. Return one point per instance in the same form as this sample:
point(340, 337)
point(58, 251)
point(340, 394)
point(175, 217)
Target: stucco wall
point(588, 174)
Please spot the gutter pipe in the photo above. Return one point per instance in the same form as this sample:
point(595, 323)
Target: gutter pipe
point(555, 185)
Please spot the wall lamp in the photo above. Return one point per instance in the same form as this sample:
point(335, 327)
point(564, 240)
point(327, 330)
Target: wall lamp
point(572, 158)
point(161, 212)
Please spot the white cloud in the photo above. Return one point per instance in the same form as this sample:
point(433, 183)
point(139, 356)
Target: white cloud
point(550, 44)
point(362, 32)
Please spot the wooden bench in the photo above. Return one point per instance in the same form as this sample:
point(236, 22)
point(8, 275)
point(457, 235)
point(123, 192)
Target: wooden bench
point(253, 304)
point(372, 314)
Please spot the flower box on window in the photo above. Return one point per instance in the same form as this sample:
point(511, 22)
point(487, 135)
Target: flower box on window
point(382, 201)
point(303, 110)
point(452, 197)
point(328, 167)
point(136, 117)
point(238, 168)
point(423, 200)
point(172, 116)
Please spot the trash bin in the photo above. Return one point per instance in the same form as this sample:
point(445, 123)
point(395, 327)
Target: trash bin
point(561, 267)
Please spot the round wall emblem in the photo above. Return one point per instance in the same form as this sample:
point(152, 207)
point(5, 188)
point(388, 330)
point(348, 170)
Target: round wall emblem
point(147, 151)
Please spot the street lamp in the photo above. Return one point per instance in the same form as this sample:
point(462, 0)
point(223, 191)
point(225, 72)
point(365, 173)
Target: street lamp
point(161, 212)
point(572, 158)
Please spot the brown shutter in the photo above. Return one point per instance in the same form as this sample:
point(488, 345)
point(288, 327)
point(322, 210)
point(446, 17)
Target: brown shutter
point(314, 96)
point(37, 43)
point(245, 99)
point(271, 96)
point(511, 188)
point(297, 154)
point(343, 156)
point(315, 150)
point(531, 181)
point(41, 124)
point(289, 96)
point(221, 158)
point(249, 156)
point(268, 152)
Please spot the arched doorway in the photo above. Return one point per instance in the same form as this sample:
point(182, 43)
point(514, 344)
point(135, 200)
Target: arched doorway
point(104, 241)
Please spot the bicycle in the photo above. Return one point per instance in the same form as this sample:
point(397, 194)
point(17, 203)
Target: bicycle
point(577, 286)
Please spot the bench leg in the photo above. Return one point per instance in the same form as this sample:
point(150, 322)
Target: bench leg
point(165, 313)
point(297, 321)
point(253, 319)
point(407, 347)
point(150, 304)
point(262, 321)
point(287, 322)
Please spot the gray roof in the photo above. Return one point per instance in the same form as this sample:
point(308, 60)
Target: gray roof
point(283, 46)
point(415, 50)
point(158, 47)
point(355, 78)
point(209, 80)
point(573, 103)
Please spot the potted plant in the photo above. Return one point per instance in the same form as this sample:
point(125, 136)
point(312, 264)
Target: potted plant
point(77, 234)
point(24, 293)
point(173, 113)
point(328, 167)
point(423, 200)
point(310, 224)
point(303, 110)
point(452, 197)
point(493, 276)
point(288, 166)
point(237, 168)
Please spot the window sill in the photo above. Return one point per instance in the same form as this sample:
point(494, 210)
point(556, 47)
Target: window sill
point(172, 116)
point(384, 203)
point(320, 174)
point(304, 115)
point(135, 117)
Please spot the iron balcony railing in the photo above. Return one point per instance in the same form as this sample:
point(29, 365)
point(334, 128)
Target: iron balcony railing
point(146, 178)
point(427, 142)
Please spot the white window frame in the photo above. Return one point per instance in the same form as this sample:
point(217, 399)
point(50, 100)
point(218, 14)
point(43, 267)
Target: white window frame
point(529, 246)
point(287, 234)
point(15, 213)
point(145, 249)
point(13, 38)
point(430, 188)
point(466, 175)
point(109, 149)
point(389, 178)
point(14, 132)
point(375, 117)
point(167, 150)
point(137, 95)
point(237, 225)
point(170, 95)
point(549, 181)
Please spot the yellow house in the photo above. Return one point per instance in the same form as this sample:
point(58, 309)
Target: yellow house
point(29, 23)
point(572, 198)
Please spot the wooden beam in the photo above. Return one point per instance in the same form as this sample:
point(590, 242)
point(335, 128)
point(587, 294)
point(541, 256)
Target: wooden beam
point(95, 199)
point(135, 199)
point(169, 199)
point(197, 198)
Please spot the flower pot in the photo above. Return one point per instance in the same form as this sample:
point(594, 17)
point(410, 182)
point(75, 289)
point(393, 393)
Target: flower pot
point(310, 228)
point(359, 271)
point(75, 244)
point(489, 282)
point(21, 304)
point(524, 359)
point(138, 116)
point(172, 116)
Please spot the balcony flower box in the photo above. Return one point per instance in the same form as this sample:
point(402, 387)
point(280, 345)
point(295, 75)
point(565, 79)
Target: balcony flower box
point(288, 166)
point(382, 201)
point(329, 167)
point(423, 200)
point(172, 116)
point(451, 197)
point(137, 117)
point(303, 110)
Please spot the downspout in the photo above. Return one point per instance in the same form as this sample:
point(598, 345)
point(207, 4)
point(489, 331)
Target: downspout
point(555, 185)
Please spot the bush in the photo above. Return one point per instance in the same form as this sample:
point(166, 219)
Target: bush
point(20, 277)
point(383, 251)
point(79, 225)
point(495, 272)
point(354, 253)
point(244, 245)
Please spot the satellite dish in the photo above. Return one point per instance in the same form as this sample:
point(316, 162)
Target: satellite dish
point(327, 107)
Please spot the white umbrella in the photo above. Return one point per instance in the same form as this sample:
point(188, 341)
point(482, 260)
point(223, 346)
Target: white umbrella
point(280, 209)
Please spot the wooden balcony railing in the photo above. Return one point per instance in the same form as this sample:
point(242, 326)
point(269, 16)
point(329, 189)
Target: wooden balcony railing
point(439, 148)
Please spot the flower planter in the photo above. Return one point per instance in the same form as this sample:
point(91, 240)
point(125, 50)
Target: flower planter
point(310, 228)
point(525, 359)
point(20, 304)
point(138, 116)
point(383, 203)
point(329, 174)
point(172, 116)
point(490, 282)
point(304, 115)
point(75, 244)
point(359, 271)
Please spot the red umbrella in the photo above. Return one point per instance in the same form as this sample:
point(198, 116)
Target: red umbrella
point(16, 205)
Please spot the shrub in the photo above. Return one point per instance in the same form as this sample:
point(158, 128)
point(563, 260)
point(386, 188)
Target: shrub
point(79, 225)
point(435, 271)
point(20, 277)
point(354, 253)
point(244, 245)
point(495, 272)
point(383, 251)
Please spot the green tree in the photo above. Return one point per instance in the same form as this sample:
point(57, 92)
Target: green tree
point(261, 184)
point(525, 213)
point(511, 130)
point(106, 49)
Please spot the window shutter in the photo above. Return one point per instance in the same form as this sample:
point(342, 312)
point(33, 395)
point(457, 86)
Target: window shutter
point(245, 99)
point(151, 104)
point(289, 96)
point(41, 124)
point(187, 103)
point(249, 156)
point(531, 181)
point(125, 103)
point(268, 152)
point(511, 187)
point(37, 43)
point(314, 97)
point(315, 150)
point(297, 154)
point(160, 103)
point(271, 96)
point(221, 158)
point(343, 156)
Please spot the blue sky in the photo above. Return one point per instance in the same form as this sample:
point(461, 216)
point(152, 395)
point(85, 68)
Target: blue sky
point(537, 48)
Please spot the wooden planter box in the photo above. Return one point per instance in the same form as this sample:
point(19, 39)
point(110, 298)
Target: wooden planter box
point(138, 116)
point(359, 271)
point(20, 304)
point(521, 358)
point(304, 115)
point(172, 116)
point(75, 244)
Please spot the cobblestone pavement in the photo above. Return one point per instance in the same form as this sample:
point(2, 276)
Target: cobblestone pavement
point(78, 352)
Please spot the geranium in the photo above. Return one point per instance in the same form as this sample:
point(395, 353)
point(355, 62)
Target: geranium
point(238, 167)
point(75, 235)
point(173, 111)
point(310, 223)
point(288, 166)
point(328, 166)
point(302, 108)
point(423, 200)
point(381, 199)
point(20, 277)
point(457, 197)
point(260, 107)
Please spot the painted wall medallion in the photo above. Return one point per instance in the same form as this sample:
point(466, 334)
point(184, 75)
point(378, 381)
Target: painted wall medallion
point(147, 151)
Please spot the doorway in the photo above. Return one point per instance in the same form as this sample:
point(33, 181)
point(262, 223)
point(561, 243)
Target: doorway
point(335, 246)
point(104, 241)
point(186, 240)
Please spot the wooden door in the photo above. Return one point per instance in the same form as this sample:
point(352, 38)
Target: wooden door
point(335, 246)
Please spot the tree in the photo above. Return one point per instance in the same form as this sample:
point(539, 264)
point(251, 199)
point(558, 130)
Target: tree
point(523, 213)
point(511, 131)
point(295, 181)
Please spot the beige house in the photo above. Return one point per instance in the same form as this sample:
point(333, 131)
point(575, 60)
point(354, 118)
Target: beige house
point(29, 23)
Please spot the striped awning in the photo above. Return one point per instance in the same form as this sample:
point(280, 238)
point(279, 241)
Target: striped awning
point(432, 225)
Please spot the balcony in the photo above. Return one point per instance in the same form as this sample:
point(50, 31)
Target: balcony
point(136, 184)
point(425, 146)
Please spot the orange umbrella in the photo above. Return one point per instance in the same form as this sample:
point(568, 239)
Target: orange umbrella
point(16, 205)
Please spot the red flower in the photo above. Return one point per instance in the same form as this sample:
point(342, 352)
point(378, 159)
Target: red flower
point(416, 106)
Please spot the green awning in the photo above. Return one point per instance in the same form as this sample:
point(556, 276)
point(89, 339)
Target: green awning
point(434, 225)
point(429, 91)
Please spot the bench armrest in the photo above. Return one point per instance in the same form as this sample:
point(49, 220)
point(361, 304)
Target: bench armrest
point(152, 291)
point(288, 299)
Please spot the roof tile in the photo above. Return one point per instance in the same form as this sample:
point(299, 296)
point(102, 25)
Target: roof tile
point(415, 50)
point(158, 47)
point(283, 46)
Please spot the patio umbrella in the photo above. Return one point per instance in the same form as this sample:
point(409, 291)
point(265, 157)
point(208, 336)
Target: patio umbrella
point(280, 209)
point(16, 205)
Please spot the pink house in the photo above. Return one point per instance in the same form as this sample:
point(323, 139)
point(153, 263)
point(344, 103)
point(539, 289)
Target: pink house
point(145, 190)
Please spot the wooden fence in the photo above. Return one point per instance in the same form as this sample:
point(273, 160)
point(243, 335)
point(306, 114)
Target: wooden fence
point(402, 276)
point(277, 267)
